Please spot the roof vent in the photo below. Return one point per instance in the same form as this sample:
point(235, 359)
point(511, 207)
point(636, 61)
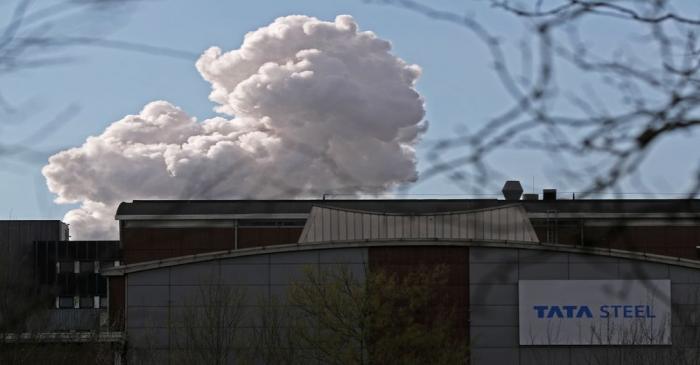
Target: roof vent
point(531, 197)
point(512, 190)
point(549, 194)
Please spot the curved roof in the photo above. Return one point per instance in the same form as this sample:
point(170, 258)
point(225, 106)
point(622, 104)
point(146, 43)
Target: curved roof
point(212, 256)
point(328, 227)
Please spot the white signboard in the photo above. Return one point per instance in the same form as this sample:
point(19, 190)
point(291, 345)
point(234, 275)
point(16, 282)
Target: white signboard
point(595, 312)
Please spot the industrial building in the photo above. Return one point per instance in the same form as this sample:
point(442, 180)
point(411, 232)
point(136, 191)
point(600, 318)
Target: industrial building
point(533, 280)
point(537, 281)
point(66, 275)
point(54, 297)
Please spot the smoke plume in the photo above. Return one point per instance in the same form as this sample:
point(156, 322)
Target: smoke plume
point(310, 107)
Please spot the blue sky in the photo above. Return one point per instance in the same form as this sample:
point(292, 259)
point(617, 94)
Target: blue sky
point(106, 84)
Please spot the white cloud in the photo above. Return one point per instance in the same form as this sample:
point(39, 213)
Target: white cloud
point(314, 107)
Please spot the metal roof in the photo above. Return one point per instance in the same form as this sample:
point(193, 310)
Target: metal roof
point(238, 209)
point(506, 223)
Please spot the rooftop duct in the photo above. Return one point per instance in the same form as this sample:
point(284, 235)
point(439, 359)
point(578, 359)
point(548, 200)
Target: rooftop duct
point(549, 194)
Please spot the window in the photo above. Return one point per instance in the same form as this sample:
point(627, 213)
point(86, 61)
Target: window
point(65, 302)
point(87, 284)
point(66, 284)
point(87, 266)
point(87, 302)
point(101, 286)
point(66, 266)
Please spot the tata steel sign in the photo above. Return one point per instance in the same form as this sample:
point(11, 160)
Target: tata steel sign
point(595, 312)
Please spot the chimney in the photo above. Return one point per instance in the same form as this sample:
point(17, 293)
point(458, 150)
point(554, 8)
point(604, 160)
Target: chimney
point(512, 190)
point(549, 194)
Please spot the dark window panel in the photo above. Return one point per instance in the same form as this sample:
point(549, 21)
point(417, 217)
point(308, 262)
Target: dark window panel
point(66, 284)
point(71, 248)
point(92, 251)
point(66, 266)
point(65, 302)
point(87, 302)
point(82, 253)
point(51, 272)
point(101, 286)
point(87, 266)
point(83, 284)
point(51, 248)
point(87, 284)
point(50, 269)
point(106, 251)
point(62, 250)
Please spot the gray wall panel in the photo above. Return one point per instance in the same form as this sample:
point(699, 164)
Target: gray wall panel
point(191, 295)
point(493, 294)
point(147, 296)
point(544, 356)
point(542, 256)
point(181, 295)
point(593, 355)
point(302, 257)
point(245, 274)
point(493, 273)
point(494, 356)
point(150, 277)
point(357, 271)
point(686, 336)
point(685, 293)
point(482, 254)
point(681, 275)
point(648, 356)
point(543, 271)
point(150, 338)
point(649, 270)
point(284, 274)
point(195, 274)
point(343, 256)
point(156, 298)
point(188, 316)
point(592, 259)
point(147, 317)
point(592, 271)
point(494, 305)
point(494, 315)
point(148, 356)
point(491, 336)
point(686, 315)
point(278, 292)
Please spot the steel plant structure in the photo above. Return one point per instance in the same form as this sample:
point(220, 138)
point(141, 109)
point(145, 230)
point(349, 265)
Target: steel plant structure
point(533, 281)
point(636, 260)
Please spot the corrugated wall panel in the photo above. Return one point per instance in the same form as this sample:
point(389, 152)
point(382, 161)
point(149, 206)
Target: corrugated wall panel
point(502, 223)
